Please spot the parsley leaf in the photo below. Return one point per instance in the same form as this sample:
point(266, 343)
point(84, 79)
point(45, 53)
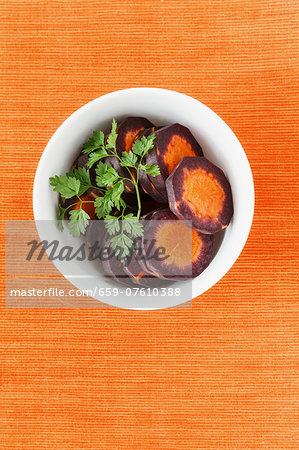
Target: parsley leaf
point(66, 186)
point(83, 176)
point(103, 205)
point(78, 222)
point(142, 146)
point(128, 159)
point(124, 229)
point(112, 224)
point(108, 178)
point(95, 142)
point(132, 225)
point(101, 169)
point(121, 244)
point(151, 169)
point(111, 140)
point(96, 156)
point(117, 191)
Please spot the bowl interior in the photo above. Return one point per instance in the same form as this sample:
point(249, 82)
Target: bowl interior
point(219, 144)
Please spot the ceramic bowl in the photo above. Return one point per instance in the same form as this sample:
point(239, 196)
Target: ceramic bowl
point(161, 106)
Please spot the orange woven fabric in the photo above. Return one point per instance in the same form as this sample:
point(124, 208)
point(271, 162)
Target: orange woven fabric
point(224, 374)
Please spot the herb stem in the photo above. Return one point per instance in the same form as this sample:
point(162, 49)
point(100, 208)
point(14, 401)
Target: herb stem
point(81, 202)
point(97, 188)
point(138, 200)
point(68, 207)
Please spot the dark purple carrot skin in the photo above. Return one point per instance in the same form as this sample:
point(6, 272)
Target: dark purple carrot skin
point(157, 183)
point(96, 237)
point(127, 132)
point(81, 161)
point(129, 272)
point(142, 257)
point(95, 233)
point(174, 272)
point(150, 189)
point(132, 269)
point(148, 186)
point(149, 205)
point(139, 276)
point(175, 190)
point(114, 268)
point(206, 254)
point(149, 238)
point(158, 155)
point(138, 271)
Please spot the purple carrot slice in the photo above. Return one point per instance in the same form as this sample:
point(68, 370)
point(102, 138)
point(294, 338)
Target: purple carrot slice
point(139, 274)
point(81, 161)
point(199, 191)
point(186, 253)
point(149, 188)
point(172, 143)
point(127, 132)
point(114, 268)
point(149, 205)
point(147, 185)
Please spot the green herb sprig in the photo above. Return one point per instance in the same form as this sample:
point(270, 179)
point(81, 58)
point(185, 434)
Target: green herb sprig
point(123, 228)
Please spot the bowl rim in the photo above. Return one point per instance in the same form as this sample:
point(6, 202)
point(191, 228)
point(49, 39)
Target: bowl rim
point(170, 94)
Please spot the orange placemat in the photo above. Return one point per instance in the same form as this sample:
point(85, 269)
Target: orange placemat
point(222, 375)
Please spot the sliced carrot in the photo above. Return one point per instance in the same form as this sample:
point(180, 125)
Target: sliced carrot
point(199, 191)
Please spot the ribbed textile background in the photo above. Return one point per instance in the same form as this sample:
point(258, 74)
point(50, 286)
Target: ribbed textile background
point(224, 374)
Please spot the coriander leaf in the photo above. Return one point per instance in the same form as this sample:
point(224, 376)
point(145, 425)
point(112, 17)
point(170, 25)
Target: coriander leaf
point(95, 142)
point(78, 222)
point(66, 186)
point(151, 169)
point(128, 159)
point(108, 178)
point(132, 226)
point(83, 176)
point(111, 140)
point(142, 146)
point(96, 156)
point(112, 224)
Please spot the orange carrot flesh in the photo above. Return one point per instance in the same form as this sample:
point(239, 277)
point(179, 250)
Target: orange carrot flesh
point(177, 149)
point(130, 138)
point(87, 207)
point(176, 237)
point(203, 193)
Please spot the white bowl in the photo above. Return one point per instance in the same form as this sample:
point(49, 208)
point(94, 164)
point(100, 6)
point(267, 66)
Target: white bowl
point(161, 106)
